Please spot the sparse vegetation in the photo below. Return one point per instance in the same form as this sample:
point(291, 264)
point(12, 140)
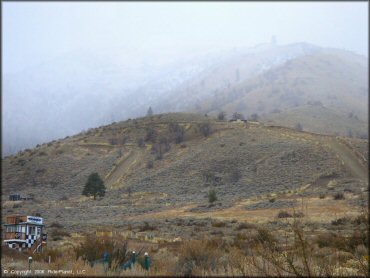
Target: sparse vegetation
point(258, 172)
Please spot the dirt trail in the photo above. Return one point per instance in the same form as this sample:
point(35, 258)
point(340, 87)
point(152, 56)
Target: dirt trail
point(351, 162)
point(125, 164)
point(346, 154)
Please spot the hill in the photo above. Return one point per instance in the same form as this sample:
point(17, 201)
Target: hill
point(333, 80)
point(59, 97)
point(245, 164)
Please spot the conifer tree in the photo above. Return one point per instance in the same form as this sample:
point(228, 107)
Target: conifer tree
point(94, 186)
point(150, 112)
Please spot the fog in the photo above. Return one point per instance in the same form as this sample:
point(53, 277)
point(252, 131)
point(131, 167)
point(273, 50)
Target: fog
point(71, 66)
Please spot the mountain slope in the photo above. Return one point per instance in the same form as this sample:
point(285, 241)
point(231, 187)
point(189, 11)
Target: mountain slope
point(236, 161)
point(334, 80)
point(81, 90)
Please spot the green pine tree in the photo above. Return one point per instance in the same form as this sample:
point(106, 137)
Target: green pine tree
point(94, 186)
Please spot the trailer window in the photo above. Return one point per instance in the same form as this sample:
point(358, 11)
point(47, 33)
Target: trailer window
point(32, 230)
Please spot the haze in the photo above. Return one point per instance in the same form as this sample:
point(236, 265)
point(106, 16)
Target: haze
point(70, 66)
point(34, 32)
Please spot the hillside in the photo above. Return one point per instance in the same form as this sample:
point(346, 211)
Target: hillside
point(244, 164)
point(336, 81)
point(61, 95)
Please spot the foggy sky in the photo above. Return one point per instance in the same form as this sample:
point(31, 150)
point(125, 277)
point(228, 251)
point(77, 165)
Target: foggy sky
point(35, 32)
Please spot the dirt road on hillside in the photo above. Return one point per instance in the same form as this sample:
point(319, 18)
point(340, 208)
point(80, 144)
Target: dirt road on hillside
point(122, 169)
point(351, 162)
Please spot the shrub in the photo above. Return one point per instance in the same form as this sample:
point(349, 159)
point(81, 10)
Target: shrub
point(254, 117)
point(221, 116)
point(177, 132)
point(21, 162)
point(235, 176)
point(264, 236)
point(340, 221)
point(244, 225)
point(56, 225)
point(151, 135)
point(93, 249)
point(196, 257)
point(42, 153)
point(41, 171)
point(58, 234)
point(218, 224)
point(358, 237)
point(63, 198)
point(331, 240)
point(113, 141)
point(141, 142)
point(338, 196)
point(241, 236)
point(46, 253)
point(298, 214)
point(237, 116)
point(163, 141)
point(212, 197)
point(284, 214)
point(360, 219)
point(150, 164)
point(147, 227)
point(205, 129)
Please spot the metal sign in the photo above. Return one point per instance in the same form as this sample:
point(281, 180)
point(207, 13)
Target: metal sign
point(34, 219)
